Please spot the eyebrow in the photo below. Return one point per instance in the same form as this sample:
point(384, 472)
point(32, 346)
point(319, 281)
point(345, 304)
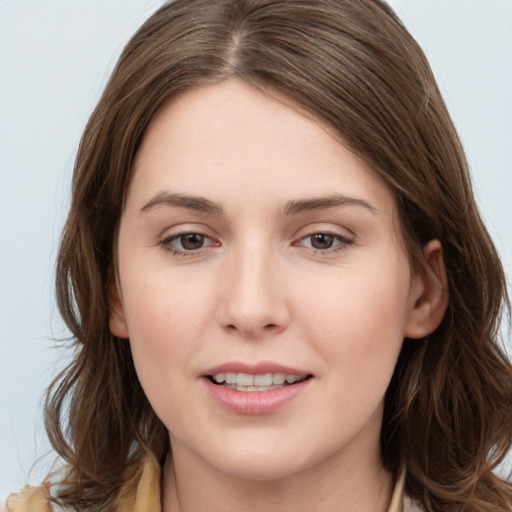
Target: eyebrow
point(325, 202)
point(196, 203)
point(292, 207)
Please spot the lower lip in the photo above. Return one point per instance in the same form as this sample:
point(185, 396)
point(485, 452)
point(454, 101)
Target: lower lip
point(255, 402)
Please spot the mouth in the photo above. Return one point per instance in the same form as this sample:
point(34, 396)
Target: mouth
point(247, 382)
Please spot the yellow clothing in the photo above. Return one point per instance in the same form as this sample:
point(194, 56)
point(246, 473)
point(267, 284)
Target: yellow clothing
point(147, 497)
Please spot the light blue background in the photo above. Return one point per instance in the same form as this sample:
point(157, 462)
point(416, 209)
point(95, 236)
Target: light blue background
point(55, 57)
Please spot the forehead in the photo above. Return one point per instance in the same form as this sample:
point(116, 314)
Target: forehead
point(232, 139)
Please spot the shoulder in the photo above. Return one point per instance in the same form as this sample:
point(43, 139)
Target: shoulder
point(34, 499)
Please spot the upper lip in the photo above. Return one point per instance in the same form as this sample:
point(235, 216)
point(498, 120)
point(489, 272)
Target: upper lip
point(254, 368)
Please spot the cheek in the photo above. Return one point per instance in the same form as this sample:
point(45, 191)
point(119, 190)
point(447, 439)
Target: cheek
point(357, 322)
point(166, 315)
point(164, 325)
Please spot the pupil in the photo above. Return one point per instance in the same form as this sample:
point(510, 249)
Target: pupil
point(322, 241)
point(192, 241)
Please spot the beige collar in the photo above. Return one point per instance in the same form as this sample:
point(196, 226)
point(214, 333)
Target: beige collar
point(397, 498)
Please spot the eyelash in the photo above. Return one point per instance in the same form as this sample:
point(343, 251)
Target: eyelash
point(167, 244)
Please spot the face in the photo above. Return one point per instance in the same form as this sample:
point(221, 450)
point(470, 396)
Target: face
point(262, 285)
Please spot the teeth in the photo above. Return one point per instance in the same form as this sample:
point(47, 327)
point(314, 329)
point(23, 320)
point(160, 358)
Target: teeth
point(278, 378)
point(255, 388)
point(230, 377)
point(244, 379)
point(248, 382)
point(263, 380)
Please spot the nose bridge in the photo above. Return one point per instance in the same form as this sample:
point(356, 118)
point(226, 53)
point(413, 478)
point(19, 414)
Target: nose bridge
point(253, 300)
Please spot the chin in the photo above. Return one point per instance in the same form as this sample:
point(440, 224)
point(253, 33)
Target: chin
point(264, 460)
point(260, 469)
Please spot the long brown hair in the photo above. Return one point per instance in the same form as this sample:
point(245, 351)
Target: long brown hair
point(351, 64)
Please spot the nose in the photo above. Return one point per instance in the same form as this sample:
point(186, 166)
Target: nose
point(253, 300)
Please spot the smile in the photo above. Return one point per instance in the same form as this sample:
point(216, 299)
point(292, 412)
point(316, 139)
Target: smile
point(247, 382)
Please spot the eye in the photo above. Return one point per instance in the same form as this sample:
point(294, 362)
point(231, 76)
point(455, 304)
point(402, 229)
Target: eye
point(322, 241)
point(183, 243)
point(190, 241)
point(326, 242)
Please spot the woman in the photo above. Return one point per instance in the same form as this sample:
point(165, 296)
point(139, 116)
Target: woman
point(277, 275)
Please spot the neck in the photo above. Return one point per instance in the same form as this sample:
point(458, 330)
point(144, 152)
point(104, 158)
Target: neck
point(360, 485)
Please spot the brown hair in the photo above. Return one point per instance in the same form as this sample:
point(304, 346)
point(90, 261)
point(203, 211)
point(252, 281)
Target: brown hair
point(448, 410)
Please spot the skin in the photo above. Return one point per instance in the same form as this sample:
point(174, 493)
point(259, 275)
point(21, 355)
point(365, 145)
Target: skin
point(260, 289)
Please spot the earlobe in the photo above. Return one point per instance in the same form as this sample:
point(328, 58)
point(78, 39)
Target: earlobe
point(429, 298)
point(117, 321)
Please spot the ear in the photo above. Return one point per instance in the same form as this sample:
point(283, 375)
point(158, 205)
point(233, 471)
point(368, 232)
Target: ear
point(429, 294)
point(117, 321)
